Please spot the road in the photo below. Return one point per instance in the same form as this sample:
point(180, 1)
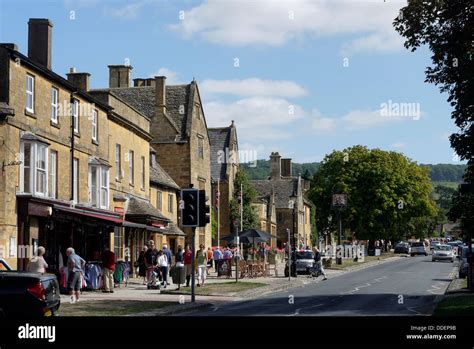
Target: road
point(408, 286)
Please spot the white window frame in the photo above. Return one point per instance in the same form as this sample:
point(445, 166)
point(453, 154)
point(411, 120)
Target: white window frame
point(170, 203)
point(104, 187)
point(53, 174)
point(118, 161)
point(142, 173)
point(54, 105)
point(30, 93)
point(75, 184)
point(34, 169)
point(131, 167)
point(94, 125)
point(101, 187)
point(75, 115)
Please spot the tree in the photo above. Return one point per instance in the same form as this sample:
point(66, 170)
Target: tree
point(249, 195)
point(388, 195)
point(447, 27)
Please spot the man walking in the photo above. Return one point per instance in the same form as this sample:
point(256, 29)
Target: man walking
point(218, 260)
point(108, 262)
point(75, 266)
point(318, 262)
point(151, 256)
point(169, 255)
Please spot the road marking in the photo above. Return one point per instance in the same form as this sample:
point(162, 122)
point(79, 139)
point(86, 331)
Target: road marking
point(413, 310)
point(436, 288)
point(297, 311)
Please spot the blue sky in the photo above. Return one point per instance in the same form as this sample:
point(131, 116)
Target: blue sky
point(301, 77)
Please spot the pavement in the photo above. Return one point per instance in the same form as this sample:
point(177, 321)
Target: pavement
point(395, 286)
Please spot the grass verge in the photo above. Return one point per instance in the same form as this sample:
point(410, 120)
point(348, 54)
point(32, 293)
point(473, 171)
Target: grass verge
point(109, 307)
point(456, 305)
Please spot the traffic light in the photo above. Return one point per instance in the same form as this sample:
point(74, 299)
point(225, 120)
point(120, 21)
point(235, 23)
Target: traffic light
point(204, 209)
point(189, 206)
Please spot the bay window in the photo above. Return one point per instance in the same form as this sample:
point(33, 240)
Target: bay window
point(34, 168)
point(99, 186)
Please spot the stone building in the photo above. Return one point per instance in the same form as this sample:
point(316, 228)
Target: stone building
point(76, 163)
point(265, 209)
point(224, 166)
point(292, 209)
point(164, 194)
point(178, 128)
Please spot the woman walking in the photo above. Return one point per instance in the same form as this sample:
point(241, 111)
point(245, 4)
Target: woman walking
point(179, 275)
point(201, 261)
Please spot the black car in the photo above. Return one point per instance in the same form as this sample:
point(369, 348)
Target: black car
point(402, 247)
point(304, 261)
point(25, 294)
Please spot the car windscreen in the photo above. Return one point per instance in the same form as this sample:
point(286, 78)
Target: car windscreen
point(443, 248)
point(304, 255)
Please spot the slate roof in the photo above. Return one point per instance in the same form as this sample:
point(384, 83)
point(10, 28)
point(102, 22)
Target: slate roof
point(220, 140)
point(173, 229)
point(143, 99)
point(282, 188)
point(137, 207)
point(159, 176)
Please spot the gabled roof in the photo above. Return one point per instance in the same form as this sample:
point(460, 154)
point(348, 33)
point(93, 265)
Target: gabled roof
point(220, 140)
point(177, 102)
point(159, 176)
point(138, 207)
point(283, 189)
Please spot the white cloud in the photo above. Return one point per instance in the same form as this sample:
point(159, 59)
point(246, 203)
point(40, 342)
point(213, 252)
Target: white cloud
point(172, 77)
point(266, 22)
point(256, 117)
point(129, 11)
point(253, 87)
point(398, 145)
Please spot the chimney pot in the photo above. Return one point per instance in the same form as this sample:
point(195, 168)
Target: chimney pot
point(40, 41)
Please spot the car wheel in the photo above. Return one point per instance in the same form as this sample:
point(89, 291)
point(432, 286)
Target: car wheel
point(452, 260)
point(433, 260)
point(426, 254)
point(413, 255)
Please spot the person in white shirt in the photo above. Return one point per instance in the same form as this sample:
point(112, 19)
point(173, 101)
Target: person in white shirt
point(37, 263)
point(163, 265)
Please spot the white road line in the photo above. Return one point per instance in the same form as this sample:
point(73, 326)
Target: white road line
point(297, 311)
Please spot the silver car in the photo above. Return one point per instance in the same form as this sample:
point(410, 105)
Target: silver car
point(443, 253)
point(304, 261)
point(418, 248)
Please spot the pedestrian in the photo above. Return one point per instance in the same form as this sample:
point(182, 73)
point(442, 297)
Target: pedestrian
point(151, 256)
point(318, 262)
point(179, 270)
point(75, 267)
point(142, 265)
point(201, 262)
point(108, 263)
point(210, 258)
point(163, 265)
point(227, 260)
point(217, 260)
point(37, 264)
point(169, 255)
point(188, 259)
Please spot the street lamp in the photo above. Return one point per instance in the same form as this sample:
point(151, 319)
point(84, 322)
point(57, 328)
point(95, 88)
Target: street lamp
point(339, 202)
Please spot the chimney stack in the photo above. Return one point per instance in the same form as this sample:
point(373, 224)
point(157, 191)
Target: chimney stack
point(120, 75)
point(275, 166)
point(80, 80)
point(160, 94)
point(39, 41)
point(286, 167)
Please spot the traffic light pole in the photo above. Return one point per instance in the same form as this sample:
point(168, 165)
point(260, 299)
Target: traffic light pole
point(193, 268)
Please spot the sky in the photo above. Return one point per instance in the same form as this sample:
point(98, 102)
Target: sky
point(301, 77)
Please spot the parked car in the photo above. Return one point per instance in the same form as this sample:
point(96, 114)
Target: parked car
point(402, 247)
point(433, 244)
point(463, 265)
point(457, 246)
point(443, 253)
point(25, 294)
point(418, 248)
point(304, 261)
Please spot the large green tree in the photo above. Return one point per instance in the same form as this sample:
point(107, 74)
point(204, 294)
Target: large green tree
point(388, 195)
point(447, 28)
point(250, 219)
